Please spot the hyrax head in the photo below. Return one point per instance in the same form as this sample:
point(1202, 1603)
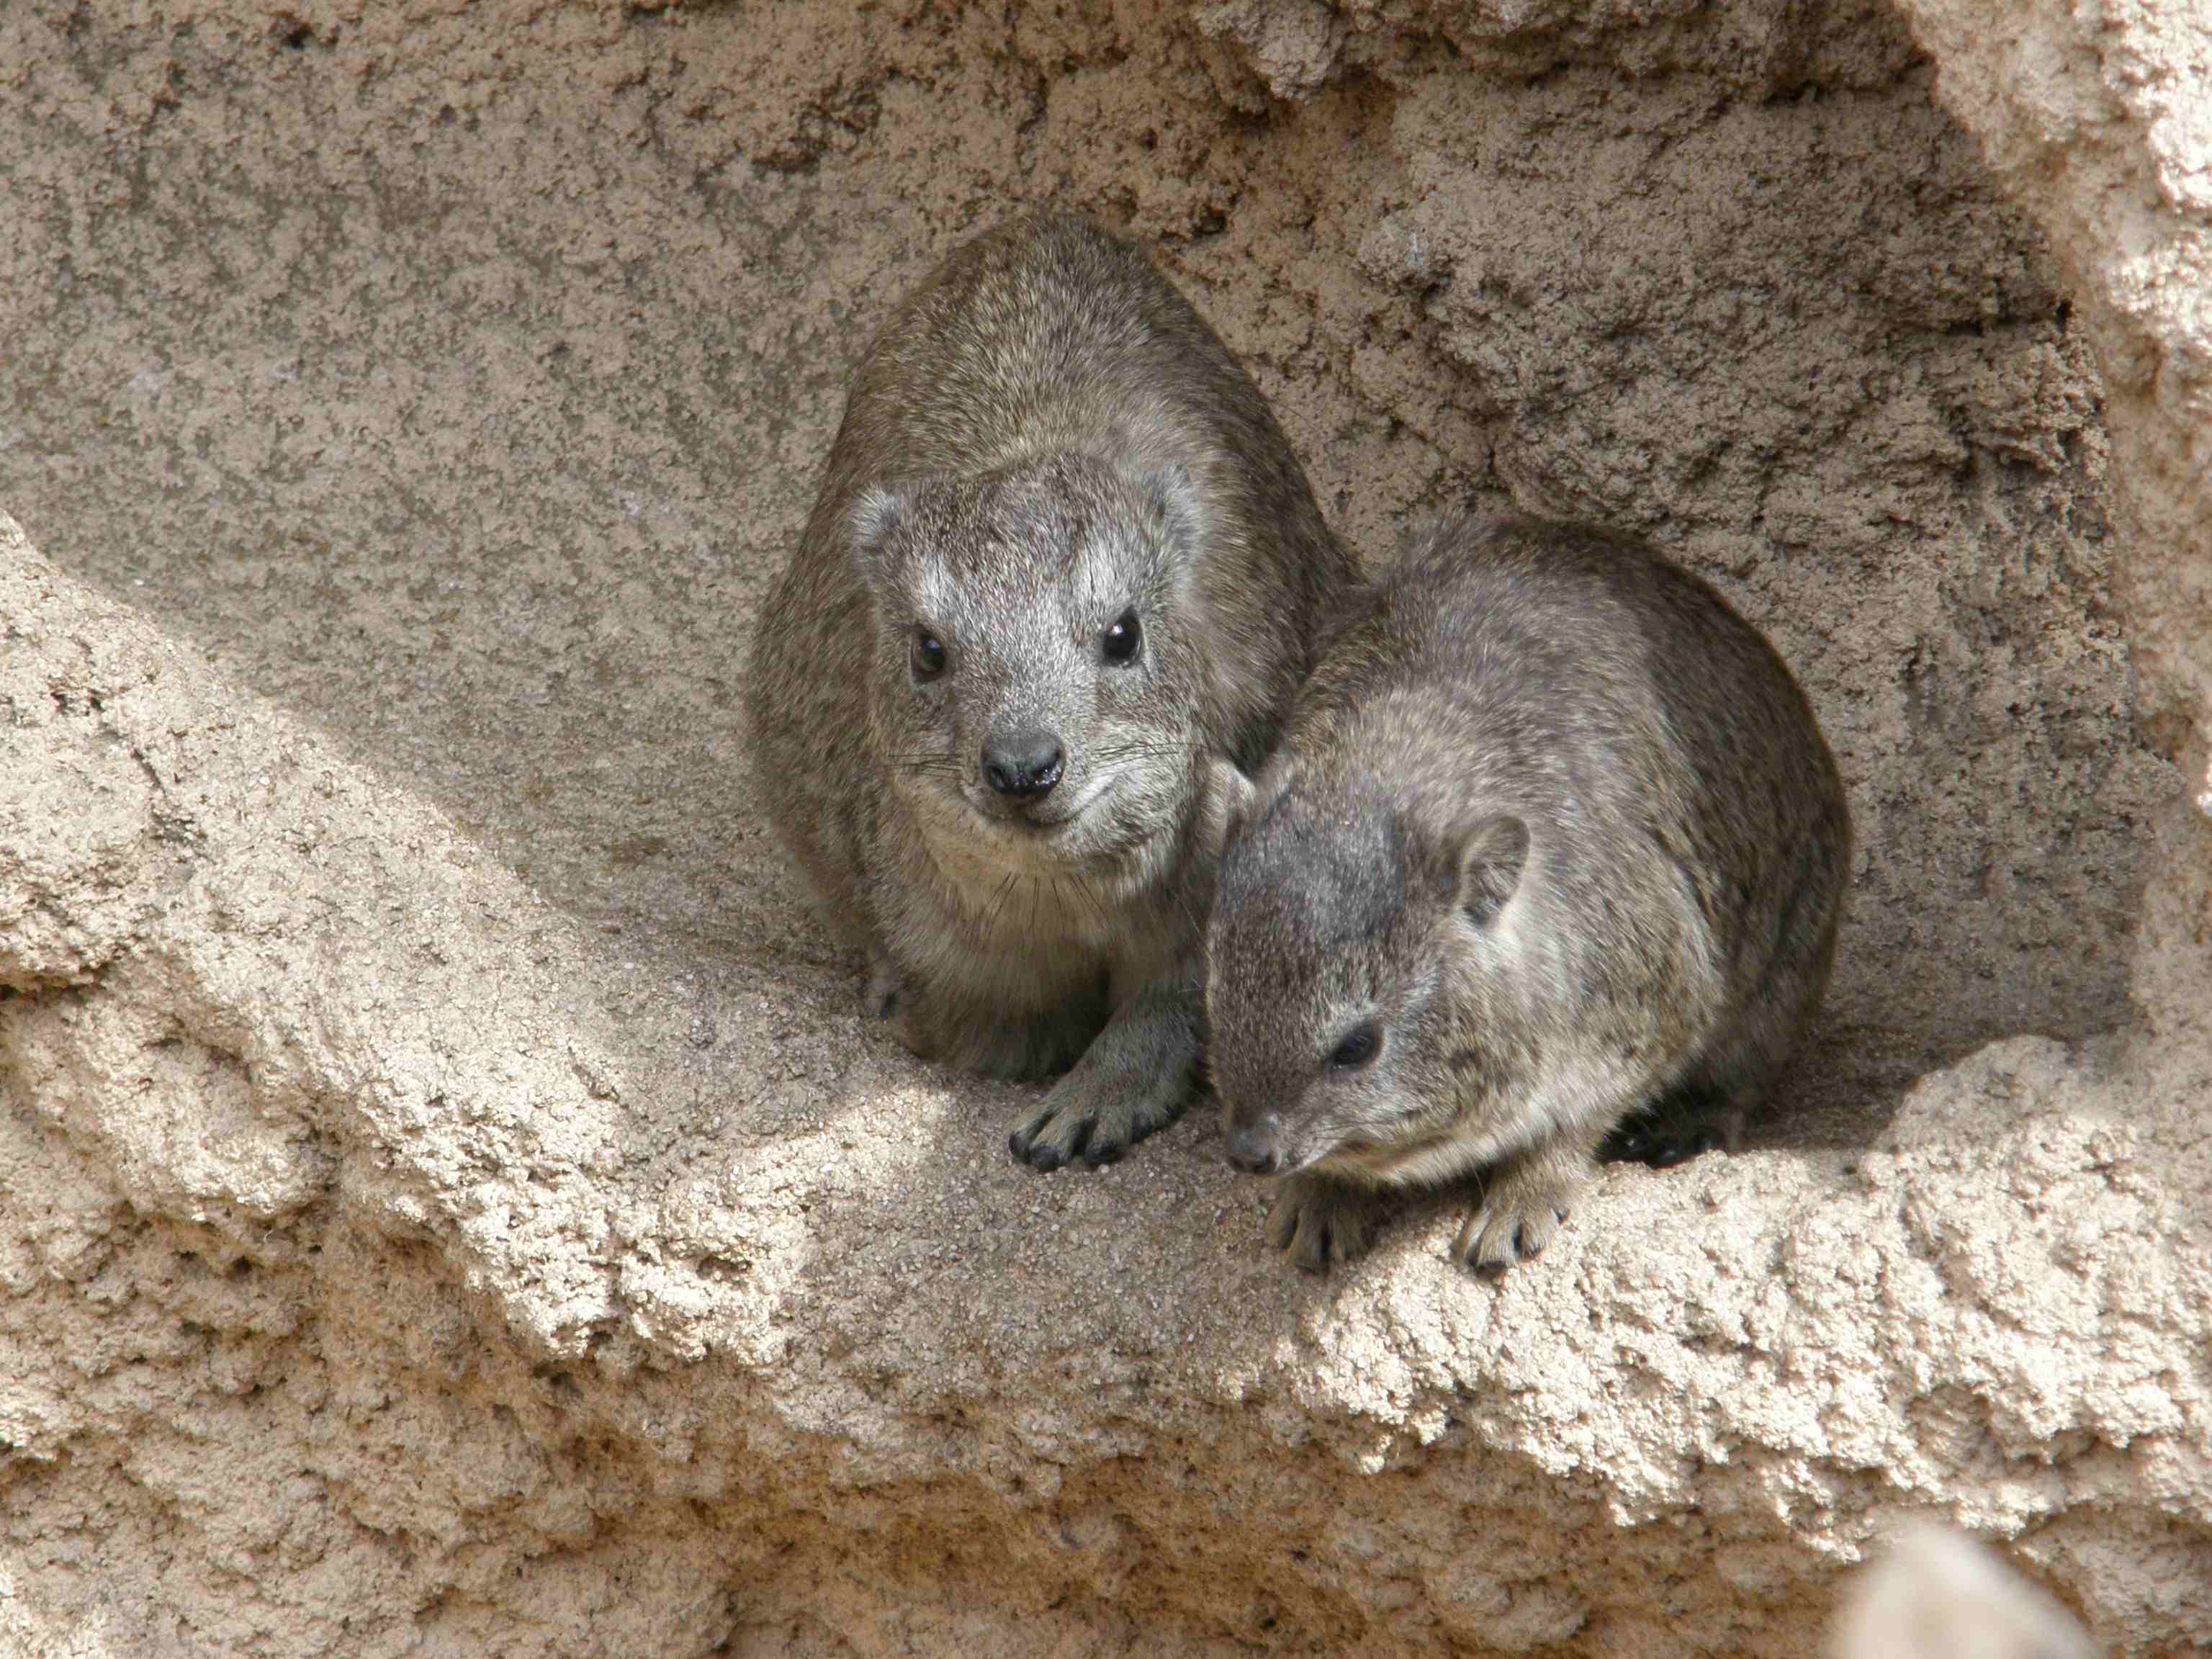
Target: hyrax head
point(1362, 1001)
point(1038, 662)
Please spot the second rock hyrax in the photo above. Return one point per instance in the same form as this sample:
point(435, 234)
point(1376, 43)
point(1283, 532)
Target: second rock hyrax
point(1062, 580)
point(1552, 842)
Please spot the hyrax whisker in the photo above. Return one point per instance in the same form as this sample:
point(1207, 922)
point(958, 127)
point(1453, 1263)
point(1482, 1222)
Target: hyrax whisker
point(999, 899)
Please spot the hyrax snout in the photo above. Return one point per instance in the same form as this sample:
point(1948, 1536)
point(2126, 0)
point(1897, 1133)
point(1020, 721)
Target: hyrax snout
point(1061, 582)
point(1551, 844)
point(1024, 763)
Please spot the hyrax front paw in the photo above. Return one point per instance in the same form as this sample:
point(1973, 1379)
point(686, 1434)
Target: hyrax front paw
point(1523, 1204)
point(1092, 1121)
point(1316, 1221)
point(890, 1000)
point(1136, 1078)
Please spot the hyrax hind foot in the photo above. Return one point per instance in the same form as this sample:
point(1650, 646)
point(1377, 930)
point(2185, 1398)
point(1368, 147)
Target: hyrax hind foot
point(1136, 1077)
point(1662, 1145)
point(1674, 1130)
point(1316, 1221)
point(1524, 1201)
point(1019, 1052)
point(889, 1000)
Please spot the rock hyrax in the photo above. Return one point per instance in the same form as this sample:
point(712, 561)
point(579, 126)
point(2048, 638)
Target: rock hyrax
point(1062, 580)
point(1552, 842)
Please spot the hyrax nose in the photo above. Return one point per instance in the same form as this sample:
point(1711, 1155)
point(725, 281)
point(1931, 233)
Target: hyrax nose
point(1256, 1148)
point(1023, 764)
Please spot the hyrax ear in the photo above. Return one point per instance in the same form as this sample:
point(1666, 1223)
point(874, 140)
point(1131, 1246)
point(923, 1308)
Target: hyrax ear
point(1233, 795)
point(1172, 489)
point(874, 514)
point(1488, 854)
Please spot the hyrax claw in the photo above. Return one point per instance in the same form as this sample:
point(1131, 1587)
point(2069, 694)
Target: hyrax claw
point(1316, 1222)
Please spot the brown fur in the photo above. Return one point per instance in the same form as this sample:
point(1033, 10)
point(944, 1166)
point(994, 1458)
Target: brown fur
point(1043, 438)
point(1556, 827)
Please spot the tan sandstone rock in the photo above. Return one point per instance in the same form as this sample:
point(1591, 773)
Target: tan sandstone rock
point(451, 1205)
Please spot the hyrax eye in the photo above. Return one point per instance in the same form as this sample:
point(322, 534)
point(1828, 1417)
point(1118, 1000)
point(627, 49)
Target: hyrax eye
point(927, 655)
point(1356, 1048)
point(1121, 638)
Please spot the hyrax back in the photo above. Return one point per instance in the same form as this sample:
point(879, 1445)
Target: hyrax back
point(1060, 583)
point(1551, 839)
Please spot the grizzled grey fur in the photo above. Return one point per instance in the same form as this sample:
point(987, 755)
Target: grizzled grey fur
point(1062, 580)
point(1551, 844)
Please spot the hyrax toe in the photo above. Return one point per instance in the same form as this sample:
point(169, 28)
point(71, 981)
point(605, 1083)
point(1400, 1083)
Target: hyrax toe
point(1673, 1131)
point(890, 999)
point(883, 993)
point(1317, 1222)
point(1042, 1157)
point(1491, 1241)
point(1523, 1204)
point(1681, 1148)
point(1076, 1126)
point(1633, 1140)
point(1134, 1079)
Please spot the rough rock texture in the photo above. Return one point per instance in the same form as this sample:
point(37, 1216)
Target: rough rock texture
point(2098, 115)
point(452, 1206)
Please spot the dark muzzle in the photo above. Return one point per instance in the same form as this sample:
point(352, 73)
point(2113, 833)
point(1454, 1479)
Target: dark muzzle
point(1256, 1148)
point(1025, 764)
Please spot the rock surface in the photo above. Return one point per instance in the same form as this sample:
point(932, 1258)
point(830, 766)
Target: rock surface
point(451, 1205)
point(2098, 116)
